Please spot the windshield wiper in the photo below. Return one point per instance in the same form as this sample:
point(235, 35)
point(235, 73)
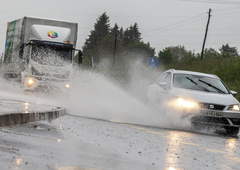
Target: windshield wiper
point(219, 90)
point(201, 87)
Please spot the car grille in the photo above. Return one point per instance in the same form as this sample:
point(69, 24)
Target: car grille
point(211, 106)
point(235, 121)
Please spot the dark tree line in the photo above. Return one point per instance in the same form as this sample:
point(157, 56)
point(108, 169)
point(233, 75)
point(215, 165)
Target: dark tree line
point(100, 45)
point(100, 42)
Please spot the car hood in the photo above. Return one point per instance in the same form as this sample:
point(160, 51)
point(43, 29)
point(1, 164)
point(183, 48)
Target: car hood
point(205, 97)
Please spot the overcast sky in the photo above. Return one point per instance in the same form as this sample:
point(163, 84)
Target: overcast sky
point(163, 23)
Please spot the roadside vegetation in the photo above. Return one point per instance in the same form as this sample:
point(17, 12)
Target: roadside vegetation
point(99, 48)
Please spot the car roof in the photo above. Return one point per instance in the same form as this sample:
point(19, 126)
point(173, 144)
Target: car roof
point(192, 73)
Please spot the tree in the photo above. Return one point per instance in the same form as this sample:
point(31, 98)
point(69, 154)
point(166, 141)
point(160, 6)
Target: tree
point(121, 32)
point(100, 43)
point(136, 35)
point(140, 50)
point(101, 29)
point(131, 35)
point(179, 53)
point(228, 51)
point(211, 53)
point(103, 51)
point(165, 56)
point(115, 31)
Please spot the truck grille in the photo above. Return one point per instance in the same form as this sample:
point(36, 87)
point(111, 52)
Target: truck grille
point(36, 73)
point(49, 79)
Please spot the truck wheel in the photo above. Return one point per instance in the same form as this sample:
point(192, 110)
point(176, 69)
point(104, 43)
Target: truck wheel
point(232, 130)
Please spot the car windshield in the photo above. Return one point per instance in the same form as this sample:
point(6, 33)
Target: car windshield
point(51, 56)
point(201, 83)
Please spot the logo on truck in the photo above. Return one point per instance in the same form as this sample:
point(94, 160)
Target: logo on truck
point(52, 34)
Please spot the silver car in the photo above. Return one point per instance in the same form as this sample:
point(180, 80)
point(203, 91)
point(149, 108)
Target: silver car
point(204, 97)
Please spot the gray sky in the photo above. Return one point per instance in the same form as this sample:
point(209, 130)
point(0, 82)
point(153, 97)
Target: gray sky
point(163, 23)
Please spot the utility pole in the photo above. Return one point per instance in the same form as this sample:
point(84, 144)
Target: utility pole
point(115, 45)
point(205, 37)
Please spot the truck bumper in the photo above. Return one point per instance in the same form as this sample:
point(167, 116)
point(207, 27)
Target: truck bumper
point(31, 83)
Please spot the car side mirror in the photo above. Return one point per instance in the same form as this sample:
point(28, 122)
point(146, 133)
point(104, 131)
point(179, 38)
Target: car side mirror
point(234, 93)
point(163, 85)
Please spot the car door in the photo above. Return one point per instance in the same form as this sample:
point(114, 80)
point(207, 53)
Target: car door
point(159, 89)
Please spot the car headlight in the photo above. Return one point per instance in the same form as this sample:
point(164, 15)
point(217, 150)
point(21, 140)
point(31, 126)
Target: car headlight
point(234, 107)
point(187, 103)
point(30, 82)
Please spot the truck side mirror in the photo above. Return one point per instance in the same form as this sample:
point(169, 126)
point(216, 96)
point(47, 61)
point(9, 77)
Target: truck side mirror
point(79, 57)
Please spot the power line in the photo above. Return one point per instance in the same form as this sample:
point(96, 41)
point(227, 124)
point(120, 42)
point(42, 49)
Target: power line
point(191, 29)
point(175, 24)
point(227, 13)
point(189, 43)
point(226, 9)
point(215, 1)
point(218, 35)
point(86, 15)
point(162, 30)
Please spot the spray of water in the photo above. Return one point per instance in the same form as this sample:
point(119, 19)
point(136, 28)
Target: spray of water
point(112, 94)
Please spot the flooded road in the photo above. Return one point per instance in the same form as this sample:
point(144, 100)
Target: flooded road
point(122, 133)
point(73, 142)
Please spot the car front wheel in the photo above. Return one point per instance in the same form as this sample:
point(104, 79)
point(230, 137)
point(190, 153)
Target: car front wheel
point(232, 130)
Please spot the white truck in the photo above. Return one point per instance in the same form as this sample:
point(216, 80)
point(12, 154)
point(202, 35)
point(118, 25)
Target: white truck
point(39, 52)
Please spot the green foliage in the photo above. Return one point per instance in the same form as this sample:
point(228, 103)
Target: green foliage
point(228, 51)
point(178, 53)
point(115, 31)
point(131, 35)
point(141, 50)
point(101, 29)
point(165, 56)
point(175, 54)
point(105, 48)
point(100, 43)
point(211, 53)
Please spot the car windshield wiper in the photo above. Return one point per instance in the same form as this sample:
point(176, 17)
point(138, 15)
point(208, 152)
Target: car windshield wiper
point(201, 87)
point(219, 90)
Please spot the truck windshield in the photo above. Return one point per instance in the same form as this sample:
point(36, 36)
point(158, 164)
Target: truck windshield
point(51, 55)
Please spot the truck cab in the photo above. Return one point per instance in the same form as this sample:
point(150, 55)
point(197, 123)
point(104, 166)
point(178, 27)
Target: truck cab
point(39, 53)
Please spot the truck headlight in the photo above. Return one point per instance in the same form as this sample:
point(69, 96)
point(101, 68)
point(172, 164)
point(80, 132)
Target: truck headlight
point(187, 103)
point(30, 82)
point(67, 86)
point(234, 107)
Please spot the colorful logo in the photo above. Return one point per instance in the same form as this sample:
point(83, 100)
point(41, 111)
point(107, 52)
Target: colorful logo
point(52, 34)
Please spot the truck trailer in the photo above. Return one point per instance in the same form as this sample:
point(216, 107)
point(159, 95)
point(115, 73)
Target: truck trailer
point(39, 52)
